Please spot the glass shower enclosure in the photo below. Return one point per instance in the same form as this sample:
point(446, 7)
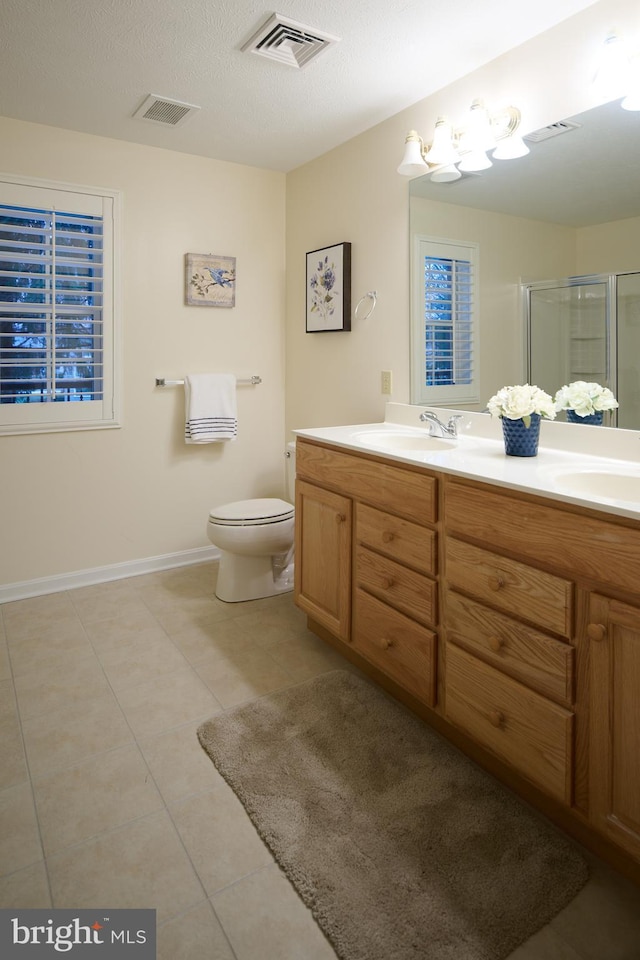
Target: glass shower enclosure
point(586, 328)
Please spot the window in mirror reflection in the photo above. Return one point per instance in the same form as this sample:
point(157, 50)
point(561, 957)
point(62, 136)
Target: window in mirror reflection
point(444, 326)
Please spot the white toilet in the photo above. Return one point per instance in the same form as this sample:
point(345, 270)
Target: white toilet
point(255, 539)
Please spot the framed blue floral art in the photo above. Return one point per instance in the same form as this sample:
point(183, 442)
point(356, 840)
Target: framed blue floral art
point(329, 289)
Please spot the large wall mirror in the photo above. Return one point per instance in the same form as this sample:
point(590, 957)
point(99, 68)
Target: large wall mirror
point(580, 172)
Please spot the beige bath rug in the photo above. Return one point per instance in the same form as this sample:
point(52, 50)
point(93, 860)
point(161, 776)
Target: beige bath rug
point(401, 847)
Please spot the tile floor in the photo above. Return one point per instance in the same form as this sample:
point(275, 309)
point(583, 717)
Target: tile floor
point(107, 799)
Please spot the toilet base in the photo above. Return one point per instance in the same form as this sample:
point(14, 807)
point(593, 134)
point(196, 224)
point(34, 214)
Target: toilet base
point(253, 578)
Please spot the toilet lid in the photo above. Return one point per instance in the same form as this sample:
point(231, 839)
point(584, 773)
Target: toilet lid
point(244, 513)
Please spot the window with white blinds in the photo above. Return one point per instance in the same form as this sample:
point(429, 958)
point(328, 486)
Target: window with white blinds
point(444, 349)
point(57, 307)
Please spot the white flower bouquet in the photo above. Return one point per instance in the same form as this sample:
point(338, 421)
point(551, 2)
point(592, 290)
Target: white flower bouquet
point(520, 402)
point(585, 398)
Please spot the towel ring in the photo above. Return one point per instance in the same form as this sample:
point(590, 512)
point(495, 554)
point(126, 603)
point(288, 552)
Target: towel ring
point(371, 295)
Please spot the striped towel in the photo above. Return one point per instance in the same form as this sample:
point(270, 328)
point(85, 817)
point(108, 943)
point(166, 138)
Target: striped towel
point(210, 407)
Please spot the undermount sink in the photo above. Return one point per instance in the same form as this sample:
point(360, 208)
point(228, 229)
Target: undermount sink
point(393, 440)
point(601, 483)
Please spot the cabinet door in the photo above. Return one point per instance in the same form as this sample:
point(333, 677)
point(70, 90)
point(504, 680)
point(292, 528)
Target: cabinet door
point(323, 557)
point(614, 725)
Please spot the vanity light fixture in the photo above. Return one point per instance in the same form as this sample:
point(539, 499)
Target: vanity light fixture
point(452, 151)
point(618, 74)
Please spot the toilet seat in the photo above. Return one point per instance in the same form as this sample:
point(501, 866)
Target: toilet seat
point(248, 513)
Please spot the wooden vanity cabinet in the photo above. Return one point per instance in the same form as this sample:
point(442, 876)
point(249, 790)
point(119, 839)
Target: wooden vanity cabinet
point(366, 560)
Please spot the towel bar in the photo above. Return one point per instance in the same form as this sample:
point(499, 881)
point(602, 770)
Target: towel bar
point(161, 382)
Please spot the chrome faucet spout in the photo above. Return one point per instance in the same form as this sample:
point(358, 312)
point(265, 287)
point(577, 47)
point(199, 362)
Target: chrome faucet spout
point(437, 427)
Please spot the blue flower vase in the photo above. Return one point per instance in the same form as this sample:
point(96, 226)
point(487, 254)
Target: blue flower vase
point(520, 440)
point(593, 418)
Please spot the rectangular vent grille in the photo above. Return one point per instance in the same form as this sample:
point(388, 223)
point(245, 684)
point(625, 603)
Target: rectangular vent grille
point(289, 42)
point(553, 130)
point(161, 110)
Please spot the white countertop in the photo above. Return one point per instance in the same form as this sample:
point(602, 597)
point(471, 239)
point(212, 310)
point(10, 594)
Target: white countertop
point(572, 459)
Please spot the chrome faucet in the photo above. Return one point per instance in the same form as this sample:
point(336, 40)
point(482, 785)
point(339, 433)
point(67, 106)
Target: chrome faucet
point(448, 429)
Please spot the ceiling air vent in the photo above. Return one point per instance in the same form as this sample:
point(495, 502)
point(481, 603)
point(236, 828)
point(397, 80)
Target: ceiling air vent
point(288, 42)
point(161, 110)
point(553, 130)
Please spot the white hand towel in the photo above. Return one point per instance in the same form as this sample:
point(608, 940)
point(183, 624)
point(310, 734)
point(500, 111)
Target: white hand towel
point(210, 407)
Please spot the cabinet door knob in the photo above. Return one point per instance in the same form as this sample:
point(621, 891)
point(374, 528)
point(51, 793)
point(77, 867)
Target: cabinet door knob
point(496, 583)
point(496, 718)
point(387, 583)
point(340, 518)
point(495, 644)
point(596, 631)
point(387, 536)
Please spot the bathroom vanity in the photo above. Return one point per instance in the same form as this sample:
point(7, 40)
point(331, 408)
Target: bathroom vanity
point(494, 600)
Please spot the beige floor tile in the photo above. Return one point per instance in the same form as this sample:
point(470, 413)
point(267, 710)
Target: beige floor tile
point(19, 835)
point(142, 864)
point(149, 656)
point(47, 617)
point(274, 624)
point(603, 921)
point(219, 837)
point(176, 614)
point(27, 889)
point(179, 765)
point(306, 656)
point(74, 733)
point(264, 917)
point(157, 705)
point(40, 654)
point(111, 634)
point(196, 935)
point(106, 601)
point(545, 945)
point(243, 675)
point(99, 794)
point(13, 766)
point(5, 666)
point(8, 705)
point(75, 679)
point(213, 640)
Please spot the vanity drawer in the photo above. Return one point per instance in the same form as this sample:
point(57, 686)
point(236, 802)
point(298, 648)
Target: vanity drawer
point(398, 538)
point(397, 646)
point(542, 598)
point(404, 589)
point(529, 732)
point(411, 493)
point(527, 654)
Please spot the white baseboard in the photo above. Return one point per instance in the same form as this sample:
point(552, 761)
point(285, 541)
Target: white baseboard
point(115, 571)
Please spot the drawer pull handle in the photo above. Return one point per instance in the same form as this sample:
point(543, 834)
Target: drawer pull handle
point(496, 583)
point(387, 536)
point(496, 644)
point(385, 643)
point(596, 631)
point(387, 583)
point(496, 718)
point(340, 518)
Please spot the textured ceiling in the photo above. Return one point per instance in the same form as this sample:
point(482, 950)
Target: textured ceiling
point(88, 64)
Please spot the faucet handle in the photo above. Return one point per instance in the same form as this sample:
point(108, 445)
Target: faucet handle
point(452, 423)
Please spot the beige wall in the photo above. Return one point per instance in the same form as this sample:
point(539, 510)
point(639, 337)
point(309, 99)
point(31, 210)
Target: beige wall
point(73, 501)
point(354, 193)
point(609, 247)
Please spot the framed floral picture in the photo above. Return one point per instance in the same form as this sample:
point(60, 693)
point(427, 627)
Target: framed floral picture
point(329, 288)
point(210, 281)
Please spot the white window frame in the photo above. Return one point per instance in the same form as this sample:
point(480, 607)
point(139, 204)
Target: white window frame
point(49, 417)
point(449, 395)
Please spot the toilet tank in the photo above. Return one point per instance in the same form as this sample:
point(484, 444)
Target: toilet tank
point(290, 459)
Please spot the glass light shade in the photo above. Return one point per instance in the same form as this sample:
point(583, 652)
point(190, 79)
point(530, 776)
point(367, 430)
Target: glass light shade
point(474, 160)
point(611, 78)
point(445, 174)
point(631, 101)
point(510, 148)
point(442, 150)
point(478, 134)
point(412, 164)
